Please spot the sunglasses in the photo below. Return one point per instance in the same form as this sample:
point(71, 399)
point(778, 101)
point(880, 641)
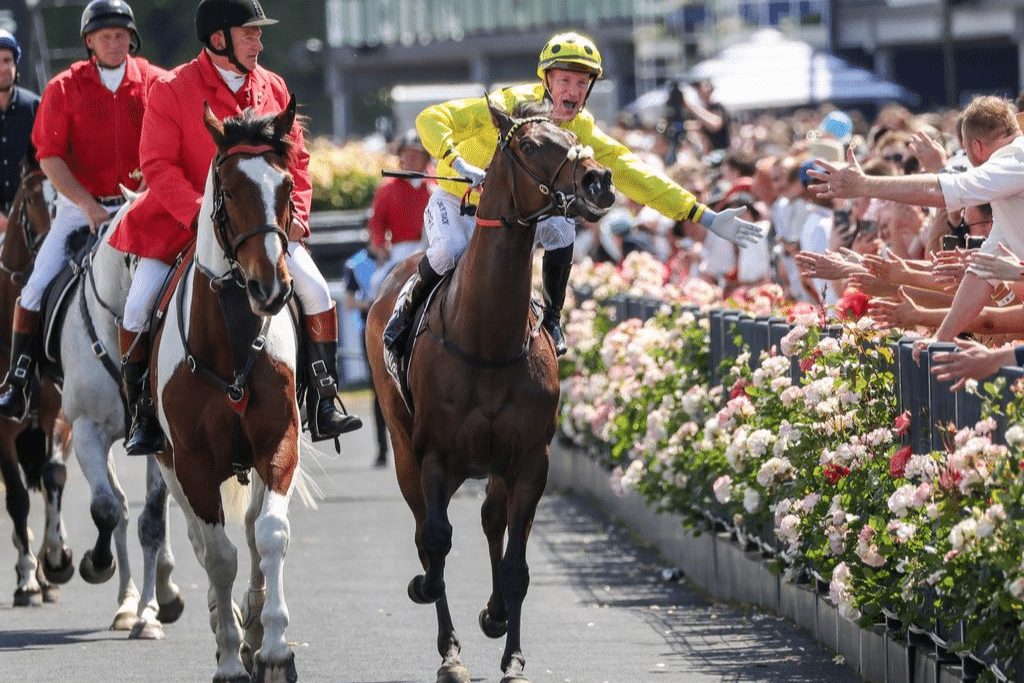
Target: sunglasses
point(894, 158)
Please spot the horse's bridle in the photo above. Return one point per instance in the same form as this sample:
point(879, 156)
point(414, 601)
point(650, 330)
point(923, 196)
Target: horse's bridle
point(32, 240)
point(559, 203)
point(220, 214)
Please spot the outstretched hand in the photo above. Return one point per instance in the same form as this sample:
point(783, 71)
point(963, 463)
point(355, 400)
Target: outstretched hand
point(971, 361)
point(1004, 266)
point(728, 225)
point(896, 311)
point(836, 182)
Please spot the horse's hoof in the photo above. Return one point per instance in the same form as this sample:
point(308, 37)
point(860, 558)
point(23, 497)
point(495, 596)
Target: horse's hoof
point(276, 671)
point(515, 678)
point(492, 628)
point(453, 673)
point(51, 594)
point(26, 597)
point(61, 573)
point(147, 630)
point(416, 592)
point(92, 574)
point(170, 611)
point(124, 621)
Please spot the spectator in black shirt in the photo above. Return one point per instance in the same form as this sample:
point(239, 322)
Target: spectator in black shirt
point(17, 113)
point(711, 116)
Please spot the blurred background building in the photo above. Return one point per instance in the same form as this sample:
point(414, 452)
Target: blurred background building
point(345, 58)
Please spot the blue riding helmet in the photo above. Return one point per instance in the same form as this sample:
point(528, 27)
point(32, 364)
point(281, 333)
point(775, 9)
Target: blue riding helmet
point(7, 40)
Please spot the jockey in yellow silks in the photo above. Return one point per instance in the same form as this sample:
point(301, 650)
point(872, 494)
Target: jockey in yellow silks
point(461, 135)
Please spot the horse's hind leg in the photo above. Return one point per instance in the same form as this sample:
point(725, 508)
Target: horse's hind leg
point(494, 518)
point(160, 601)
point(256, 596)
point(28, 591)
point(55, 556)
point(514, 574)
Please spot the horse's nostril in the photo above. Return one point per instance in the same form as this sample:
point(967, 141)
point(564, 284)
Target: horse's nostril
point(256, 290)
point(598, 184)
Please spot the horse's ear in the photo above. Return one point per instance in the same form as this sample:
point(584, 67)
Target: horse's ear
point(502, 121)
point(213, 124)
point(283, 122)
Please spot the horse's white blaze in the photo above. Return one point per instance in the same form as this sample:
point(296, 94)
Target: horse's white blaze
point(272, 533)
point(268, 179)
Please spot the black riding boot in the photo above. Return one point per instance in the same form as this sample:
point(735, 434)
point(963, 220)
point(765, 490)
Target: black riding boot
point(145, 436)
point(325, 420)
point(412, 295)
point(556, 268)
point(14, 401)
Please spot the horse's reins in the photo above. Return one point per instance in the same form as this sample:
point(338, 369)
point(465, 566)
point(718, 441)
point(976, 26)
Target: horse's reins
point(559, 203)
point(236, 389)
point(220, 215)
point(29, 233)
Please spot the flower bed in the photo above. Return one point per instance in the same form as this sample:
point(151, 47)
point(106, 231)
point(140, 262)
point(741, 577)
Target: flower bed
point(803, 452)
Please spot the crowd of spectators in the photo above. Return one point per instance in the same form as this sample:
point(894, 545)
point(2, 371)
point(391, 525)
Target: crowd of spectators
point(864, 248)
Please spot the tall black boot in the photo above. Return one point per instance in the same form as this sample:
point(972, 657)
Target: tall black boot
point(556, 268)
point(409, 299)
point(145, 436)
point(325, 420)
point(14, 401)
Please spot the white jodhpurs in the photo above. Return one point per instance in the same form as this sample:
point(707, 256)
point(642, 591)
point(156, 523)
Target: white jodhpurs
point(310, 287)
point(448, 231)
point(53, 251)
point(146, 281)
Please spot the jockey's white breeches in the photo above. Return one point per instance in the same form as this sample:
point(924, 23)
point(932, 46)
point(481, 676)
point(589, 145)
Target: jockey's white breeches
point(448, 231)
point(310, 287)
point(53, 251)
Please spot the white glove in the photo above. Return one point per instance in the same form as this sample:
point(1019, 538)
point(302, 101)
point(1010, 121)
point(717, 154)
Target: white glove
point(474, 175)
point(727, 225)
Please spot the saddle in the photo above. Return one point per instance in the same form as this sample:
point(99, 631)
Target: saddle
point(57, 297)
point(399, 369)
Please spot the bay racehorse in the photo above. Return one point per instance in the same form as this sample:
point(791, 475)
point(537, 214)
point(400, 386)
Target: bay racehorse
point(33, 444)
point(482, 379)
point(224, 376)
point(88, 367)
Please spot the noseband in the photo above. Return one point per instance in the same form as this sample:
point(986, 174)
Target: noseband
point(559, 203)
point(29, 233)
point(230, 244)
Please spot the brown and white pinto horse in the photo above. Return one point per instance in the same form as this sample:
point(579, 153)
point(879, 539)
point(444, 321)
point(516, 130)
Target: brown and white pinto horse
point(224, 367)
point(483, 380)
point(33, 443)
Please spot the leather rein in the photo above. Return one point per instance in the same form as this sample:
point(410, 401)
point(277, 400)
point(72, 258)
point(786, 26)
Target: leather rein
point(235, 390)
point(30, 235)
point(559, 204)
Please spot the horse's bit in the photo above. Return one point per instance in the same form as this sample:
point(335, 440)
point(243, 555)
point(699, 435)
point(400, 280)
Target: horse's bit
point(559, 203)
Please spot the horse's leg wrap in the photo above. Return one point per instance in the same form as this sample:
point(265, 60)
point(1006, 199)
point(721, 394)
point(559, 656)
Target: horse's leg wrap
point(325, 420)
point(15, 401)
point(556, 268)
point(145, 436)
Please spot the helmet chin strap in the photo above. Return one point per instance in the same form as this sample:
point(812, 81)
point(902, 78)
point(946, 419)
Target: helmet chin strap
point(229, 51)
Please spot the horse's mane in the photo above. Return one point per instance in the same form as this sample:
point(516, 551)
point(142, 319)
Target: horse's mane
point(530, 108)
point(255, 128)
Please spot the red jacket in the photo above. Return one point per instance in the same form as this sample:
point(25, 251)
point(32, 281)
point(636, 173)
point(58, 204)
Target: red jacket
point(398, 209)
point(177, 151)
point(96, 132)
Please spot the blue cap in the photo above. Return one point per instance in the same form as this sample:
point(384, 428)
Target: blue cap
point(838, 125)
point(805, 177)
point(7, 40)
